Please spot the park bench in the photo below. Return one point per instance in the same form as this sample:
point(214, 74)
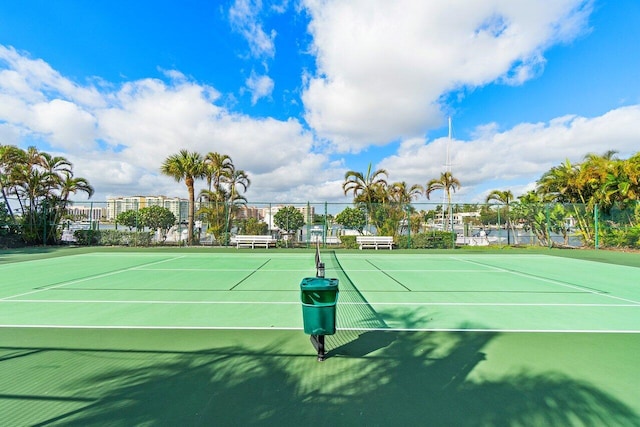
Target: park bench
point(375, 242)
point(253, 241)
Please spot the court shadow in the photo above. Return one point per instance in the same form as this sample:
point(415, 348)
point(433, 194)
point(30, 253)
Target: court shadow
point(411, 379)
point(361, 345)
point(365, 343)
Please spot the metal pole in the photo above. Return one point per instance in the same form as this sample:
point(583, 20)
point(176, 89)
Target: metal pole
point(408, 228)
point(596, 226)
point(326, 226)
point(550, 242)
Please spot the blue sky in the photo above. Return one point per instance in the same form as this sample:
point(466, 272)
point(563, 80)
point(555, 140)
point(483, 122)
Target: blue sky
point(299, 92)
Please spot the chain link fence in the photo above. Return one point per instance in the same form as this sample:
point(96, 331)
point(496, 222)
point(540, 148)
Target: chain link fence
point(148, 221)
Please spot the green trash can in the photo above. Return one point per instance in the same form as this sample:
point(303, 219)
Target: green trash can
point(319, 298)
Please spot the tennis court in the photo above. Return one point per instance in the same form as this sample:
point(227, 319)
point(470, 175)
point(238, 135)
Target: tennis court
point(202, 337)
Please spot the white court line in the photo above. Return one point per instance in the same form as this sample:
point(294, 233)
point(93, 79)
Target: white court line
point(354, 270)
point(84, 279)
point(502, 304)
point(555, 282)
point(286, 328)
point(306, 270)
point(38, 301)
point(420, 304)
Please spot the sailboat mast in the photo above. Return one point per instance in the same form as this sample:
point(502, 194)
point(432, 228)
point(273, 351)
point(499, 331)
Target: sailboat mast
point(448, 160)
point(448, 169)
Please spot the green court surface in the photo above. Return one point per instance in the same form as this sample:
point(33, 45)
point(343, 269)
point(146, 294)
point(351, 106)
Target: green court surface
point(215, 337)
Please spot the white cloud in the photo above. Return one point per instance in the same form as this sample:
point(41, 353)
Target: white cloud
point(244, 16)
point(259, 86)
point(518, 156)
point(119, 142)
point(65, 124)
point(33, 79)
point(383, 66)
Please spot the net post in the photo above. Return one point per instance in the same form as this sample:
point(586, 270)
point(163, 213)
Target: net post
point(320, 270)
point(318, 344)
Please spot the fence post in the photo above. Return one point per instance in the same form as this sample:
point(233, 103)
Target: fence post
point(596, 226)
point(408, 228)
point(90, 233)
point(546, 212)
point(309, 221)
point(326, 226)
point(44, 222)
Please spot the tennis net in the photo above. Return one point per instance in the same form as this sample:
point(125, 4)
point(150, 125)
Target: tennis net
point(319, 263)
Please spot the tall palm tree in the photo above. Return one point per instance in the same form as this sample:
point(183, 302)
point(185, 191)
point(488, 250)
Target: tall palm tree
point(401, 196)
point(72, 185)
point(447, 183)
point(368, 189)
point(187, 166)
point(503, 197)
point(238, 178)
point(401, 193)
point(10, 158)
point(216, 167)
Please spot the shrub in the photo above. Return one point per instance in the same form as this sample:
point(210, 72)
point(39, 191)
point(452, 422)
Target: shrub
point(113, 238)
point(349, 242)
point(432, 240)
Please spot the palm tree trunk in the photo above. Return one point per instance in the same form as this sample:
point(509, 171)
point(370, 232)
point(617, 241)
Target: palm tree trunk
point(190, 181)
point(6, 202)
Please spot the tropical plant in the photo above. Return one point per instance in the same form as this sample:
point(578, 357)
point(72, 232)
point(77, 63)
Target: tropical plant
point(369, 190)
point(42, 184)
point(223, 195)
point(216, 167)
point(504, 197)
point(401, 195)
point(530, 211)
point(186, 166)
point(447, 183)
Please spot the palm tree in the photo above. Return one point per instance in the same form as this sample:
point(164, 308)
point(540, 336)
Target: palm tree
point(216, 167)
point(561, 184)
point(187, 166)
point(10, 159)
point(448, 183)
point(367, 189)
point(238, 178)
point(401, 196)
point(593, 177)
point(401, 193)
point(621, 182)
point(504, 198)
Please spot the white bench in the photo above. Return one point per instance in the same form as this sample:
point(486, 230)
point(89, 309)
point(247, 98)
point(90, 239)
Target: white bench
point(260, 240)
point(375, 242)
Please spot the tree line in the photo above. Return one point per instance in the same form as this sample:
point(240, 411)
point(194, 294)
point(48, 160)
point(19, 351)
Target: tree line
point(42, 185)
point(604, 182)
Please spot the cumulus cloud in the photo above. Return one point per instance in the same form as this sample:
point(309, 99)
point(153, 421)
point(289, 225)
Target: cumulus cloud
point(31, 79)
point(119, 141)
point(516, 157)
point(383, 66)
point(259, 86)
point(244, 16)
